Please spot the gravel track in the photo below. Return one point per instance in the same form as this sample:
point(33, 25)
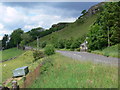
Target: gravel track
point(85, 56)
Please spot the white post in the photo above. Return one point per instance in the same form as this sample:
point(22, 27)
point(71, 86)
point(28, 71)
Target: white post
point(14, 85)
point(37, 43)
point(108, 38)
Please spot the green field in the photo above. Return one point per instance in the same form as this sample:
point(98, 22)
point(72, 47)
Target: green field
point(109, 51)
point(74, 30)
point(69, 73)
point(26, 59)
point(10, 53)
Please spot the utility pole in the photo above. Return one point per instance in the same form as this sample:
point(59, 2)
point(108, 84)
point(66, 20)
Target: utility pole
point(37, 43)
point(108, 37)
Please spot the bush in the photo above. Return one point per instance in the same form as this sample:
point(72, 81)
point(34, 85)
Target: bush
point(106, 54)
point(77, 49)
point(68, 44)
point(43, 44)
point(71, 49)
point(47, 62)
point(89, 50)
point(61, 44)
point(37, 55)
point(49, 50)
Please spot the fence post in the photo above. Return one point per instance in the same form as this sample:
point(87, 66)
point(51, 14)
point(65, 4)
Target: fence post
point(14, 85)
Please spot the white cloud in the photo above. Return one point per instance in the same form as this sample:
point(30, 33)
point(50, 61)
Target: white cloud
point(1, 37)
point(12, 18)
point(1, 26)
point(28, 27)
point(5, 32)
point(2, 32)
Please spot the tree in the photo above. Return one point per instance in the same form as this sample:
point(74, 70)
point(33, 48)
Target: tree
point(61, 43)
point(43, 44)
point(68, 43)
point(36, 32)
point(5, 41)
point(76, 43)
point(26, 37)
point(83, 12)
point(16, 37)
point(97, 38)
point(106, 30)
point(49, 50)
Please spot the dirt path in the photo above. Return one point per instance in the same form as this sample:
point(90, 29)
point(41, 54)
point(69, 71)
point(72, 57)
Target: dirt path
point(85, 56)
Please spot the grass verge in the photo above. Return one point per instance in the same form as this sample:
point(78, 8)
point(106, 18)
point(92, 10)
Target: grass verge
point(109, 51)
point(69, 73)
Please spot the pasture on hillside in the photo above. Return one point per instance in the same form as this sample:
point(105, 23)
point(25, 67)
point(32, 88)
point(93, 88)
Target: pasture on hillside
point(10, 53)
point(70, 73)
point(26, 59)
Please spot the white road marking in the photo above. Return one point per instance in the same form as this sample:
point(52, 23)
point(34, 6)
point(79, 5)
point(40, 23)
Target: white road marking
point(77, 55)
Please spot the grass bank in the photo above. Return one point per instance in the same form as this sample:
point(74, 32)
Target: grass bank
point(10, 53)
point(26, 59)
point(112, 51)
point(69, 73)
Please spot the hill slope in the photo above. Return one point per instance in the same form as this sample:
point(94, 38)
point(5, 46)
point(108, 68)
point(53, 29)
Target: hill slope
point(74, 30)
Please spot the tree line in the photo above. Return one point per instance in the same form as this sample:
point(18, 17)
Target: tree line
point(19, 38)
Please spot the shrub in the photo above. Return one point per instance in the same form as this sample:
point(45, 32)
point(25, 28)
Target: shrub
point(49, 50)
point(68, 44)
point(106, 54)
point(71, 49)
point(47, 62)
point(77, 49)
point(75, 45)
point(61, 44)
point(37, 55)
point(89, 50)
point(43, 44)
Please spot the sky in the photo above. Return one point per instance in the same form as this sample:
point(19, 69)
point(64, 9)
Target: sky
point(28, 15)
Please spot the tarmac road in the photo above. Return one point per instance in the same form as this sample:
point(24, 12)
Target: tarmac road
point(85, 56)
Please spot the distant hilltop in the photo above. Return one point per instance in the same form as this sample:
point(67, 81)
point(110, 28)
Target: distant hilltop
point(94, 9)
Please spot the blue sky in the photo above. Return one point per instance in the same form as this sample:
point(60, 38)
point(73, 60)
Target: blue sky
point(28, 15)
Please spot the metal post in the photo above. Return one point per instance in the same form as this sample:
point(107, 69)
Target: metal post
point(108, 38)
point(37, 43)
point(14, 85)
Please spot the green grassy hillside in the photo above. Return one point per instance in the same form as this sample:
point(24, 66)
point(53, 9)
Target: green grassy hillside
point(26, 59)
point(75, 30)
point(10, 53)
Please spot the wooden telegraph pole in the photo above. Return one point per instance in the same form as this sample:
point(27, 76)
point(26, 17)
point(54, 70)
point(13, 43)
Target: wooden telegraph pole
point(37, 43)
point(108, 37)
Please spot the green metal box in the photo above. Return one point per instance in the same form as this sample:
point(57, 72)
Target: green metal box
point(22, 71)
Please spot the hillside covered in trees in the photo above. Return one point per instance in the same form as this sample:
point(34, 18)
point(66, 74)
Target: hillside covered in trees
point(106, 30)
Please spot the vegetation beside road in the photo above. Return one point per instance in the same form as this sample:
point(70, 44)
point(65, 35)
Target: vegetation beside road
point(69, 73)
point(109, 51)
point(10, 53)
